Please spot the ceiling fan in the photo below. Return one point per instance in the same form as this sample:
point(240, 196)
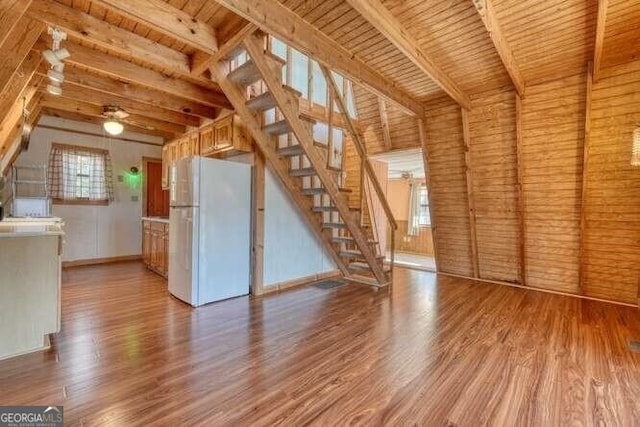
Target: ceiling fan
point(115, 117)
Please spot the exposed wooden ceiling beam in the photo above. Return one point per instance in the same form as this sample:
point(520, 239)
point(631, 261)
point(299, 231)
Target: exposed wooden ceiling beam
point(68, 115)
point(13, 151)
point(98, 98)
point(388, 25)
point(384, 120)
point(92, 110)
point(485, 10)
point(168, 20)
point(88, 28)
point(104, 64)
point(599, 43)
point(19, 82)
point(134, 92)
point(14, 117)
point(16, 48)
point(200, 61)
point(276, 19)
point(10, 13)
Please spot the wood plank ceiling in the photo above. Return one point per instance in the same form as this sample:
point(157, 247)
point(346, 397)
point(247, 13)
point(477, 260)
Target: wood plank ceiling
point(123, 55)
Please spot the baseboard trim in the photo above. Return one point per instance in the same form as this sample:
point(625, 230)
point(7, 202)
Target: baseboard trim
point(531, 288)
point(288, 284)
point(96, 261)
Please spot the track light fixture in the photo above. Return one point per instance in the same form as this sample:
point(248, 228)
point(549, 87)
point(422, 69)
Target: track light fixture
point(54, 57)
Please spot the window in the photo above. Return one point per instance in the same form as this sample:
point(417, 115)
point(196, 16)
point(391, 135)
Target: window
point(424, 219)
point(80, 175)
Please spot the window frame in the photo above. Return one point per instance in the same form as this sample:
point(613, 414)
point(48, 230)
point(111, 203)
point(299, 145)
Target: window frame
point(424, 208)
point(84, 201)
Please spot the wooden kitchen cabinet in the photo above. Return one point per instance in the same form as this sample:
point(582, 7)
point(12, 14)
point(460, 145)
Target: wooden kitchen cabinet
point(223, 137)
point(207, 141)
point(155, 246)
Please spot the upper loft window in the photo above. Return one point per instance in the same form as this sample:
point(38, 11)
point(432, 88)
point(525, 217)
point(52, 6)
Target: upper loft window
point(304, 75)
point(424, 218)
point(80, 175)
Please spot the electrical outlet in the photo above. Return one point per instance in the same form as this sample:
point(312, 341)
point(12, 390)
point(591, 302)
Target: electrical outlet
point(120, 178)
point(134, 198)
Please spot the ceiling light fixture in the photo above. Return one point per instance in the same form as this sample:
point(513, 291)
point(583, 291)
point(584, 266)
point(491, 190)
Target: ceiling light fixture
point(55, 76)
point(54, 89)
point(113, 127)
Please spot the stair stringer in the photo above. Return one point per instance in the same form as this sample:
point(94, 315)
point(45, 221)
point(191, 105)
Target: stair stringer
point(290, 111)
point(277, 165)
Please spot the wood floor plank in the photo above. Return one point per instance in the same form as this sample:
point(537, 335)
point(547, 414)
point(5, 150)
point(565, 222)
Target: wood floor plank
point(428, 351)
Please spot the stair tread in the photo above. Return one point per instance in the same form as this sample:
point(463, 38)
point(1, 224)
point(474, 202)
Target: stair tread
point(277, 128)
point(320, 190)
point(292, 150)
point(248, 73)
point(325, 209)
point(302, 172)
point(334, 225)
point(364, 266)
point(350, 239)
point(266, 101)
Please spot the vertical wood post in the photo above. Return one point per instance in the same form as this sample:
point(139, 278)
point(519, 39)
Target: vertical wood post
point(257, 207)
point(472, 209)
point(521, 197)
point(427, 176)
point(585, 163)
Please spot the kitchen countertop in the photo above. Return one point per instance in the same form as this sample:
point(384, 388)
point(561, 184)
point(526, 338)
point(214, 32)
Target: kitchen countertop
point(29, 229)
point(164, 219)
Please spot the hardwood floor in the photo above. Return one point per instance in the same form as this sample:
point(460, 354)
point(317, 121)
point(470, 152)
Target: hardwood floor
point(429, 352)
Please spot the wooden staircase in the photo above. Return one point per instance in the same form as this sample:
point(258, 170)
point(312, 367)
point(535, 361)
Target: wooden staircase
point(300, 163)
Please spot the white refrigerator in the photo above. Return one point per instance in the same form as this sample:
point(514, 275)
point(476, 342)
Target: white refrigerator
point(209, 230)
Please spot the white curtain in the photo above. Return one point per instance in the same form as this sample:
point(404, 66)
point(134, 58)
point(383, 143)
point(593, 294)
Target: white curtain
point(413, 219)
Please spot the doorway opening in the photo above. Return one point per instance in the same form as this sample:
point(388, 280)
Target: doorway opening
point(407, 195)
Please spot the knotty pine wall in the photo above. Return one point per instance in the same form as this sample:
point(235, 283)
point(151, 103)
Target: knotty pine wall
point(611, 259)
point(539, 221)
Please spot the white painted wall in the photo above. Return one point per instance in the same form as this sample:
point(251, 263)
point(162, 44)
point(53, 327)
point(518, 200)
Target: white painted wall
point(290, 249)
point(97, 231)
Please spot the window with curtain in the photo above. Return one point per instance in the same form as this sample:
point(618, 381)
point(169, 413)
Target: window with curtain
point(80, 175)
point(425, 218)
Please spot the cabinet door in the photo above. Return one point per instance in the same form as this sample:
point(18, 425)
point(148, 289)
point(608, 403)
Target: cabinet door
point(153, 263)
point(165, 241)
point(206, 140)
point(146, 243)
point(224, 133)
point(185, 147)
point(194, 143)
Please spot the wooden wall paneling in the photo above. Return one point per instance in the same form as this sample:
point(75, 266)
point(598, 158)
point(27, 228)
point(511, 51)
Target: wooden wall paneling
point(493, 173)
point(464, 114)
point(113, 87)
point(552, 126)
point(522, 203)
point(258, 193)
point(10, 13)
point(16, 47)
point(392, 29)
point(384, 119)
point(421, 244)
point(165, 18)
point(448, 188)
point(120, 69)
point(612, 196)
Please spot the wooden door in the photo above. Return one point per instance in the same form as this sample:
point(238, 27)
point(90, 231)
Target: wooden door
point(157, 198)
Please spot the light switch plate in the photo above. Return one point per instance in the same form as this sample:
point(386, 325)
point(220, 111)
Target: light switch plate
point(134, 198)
